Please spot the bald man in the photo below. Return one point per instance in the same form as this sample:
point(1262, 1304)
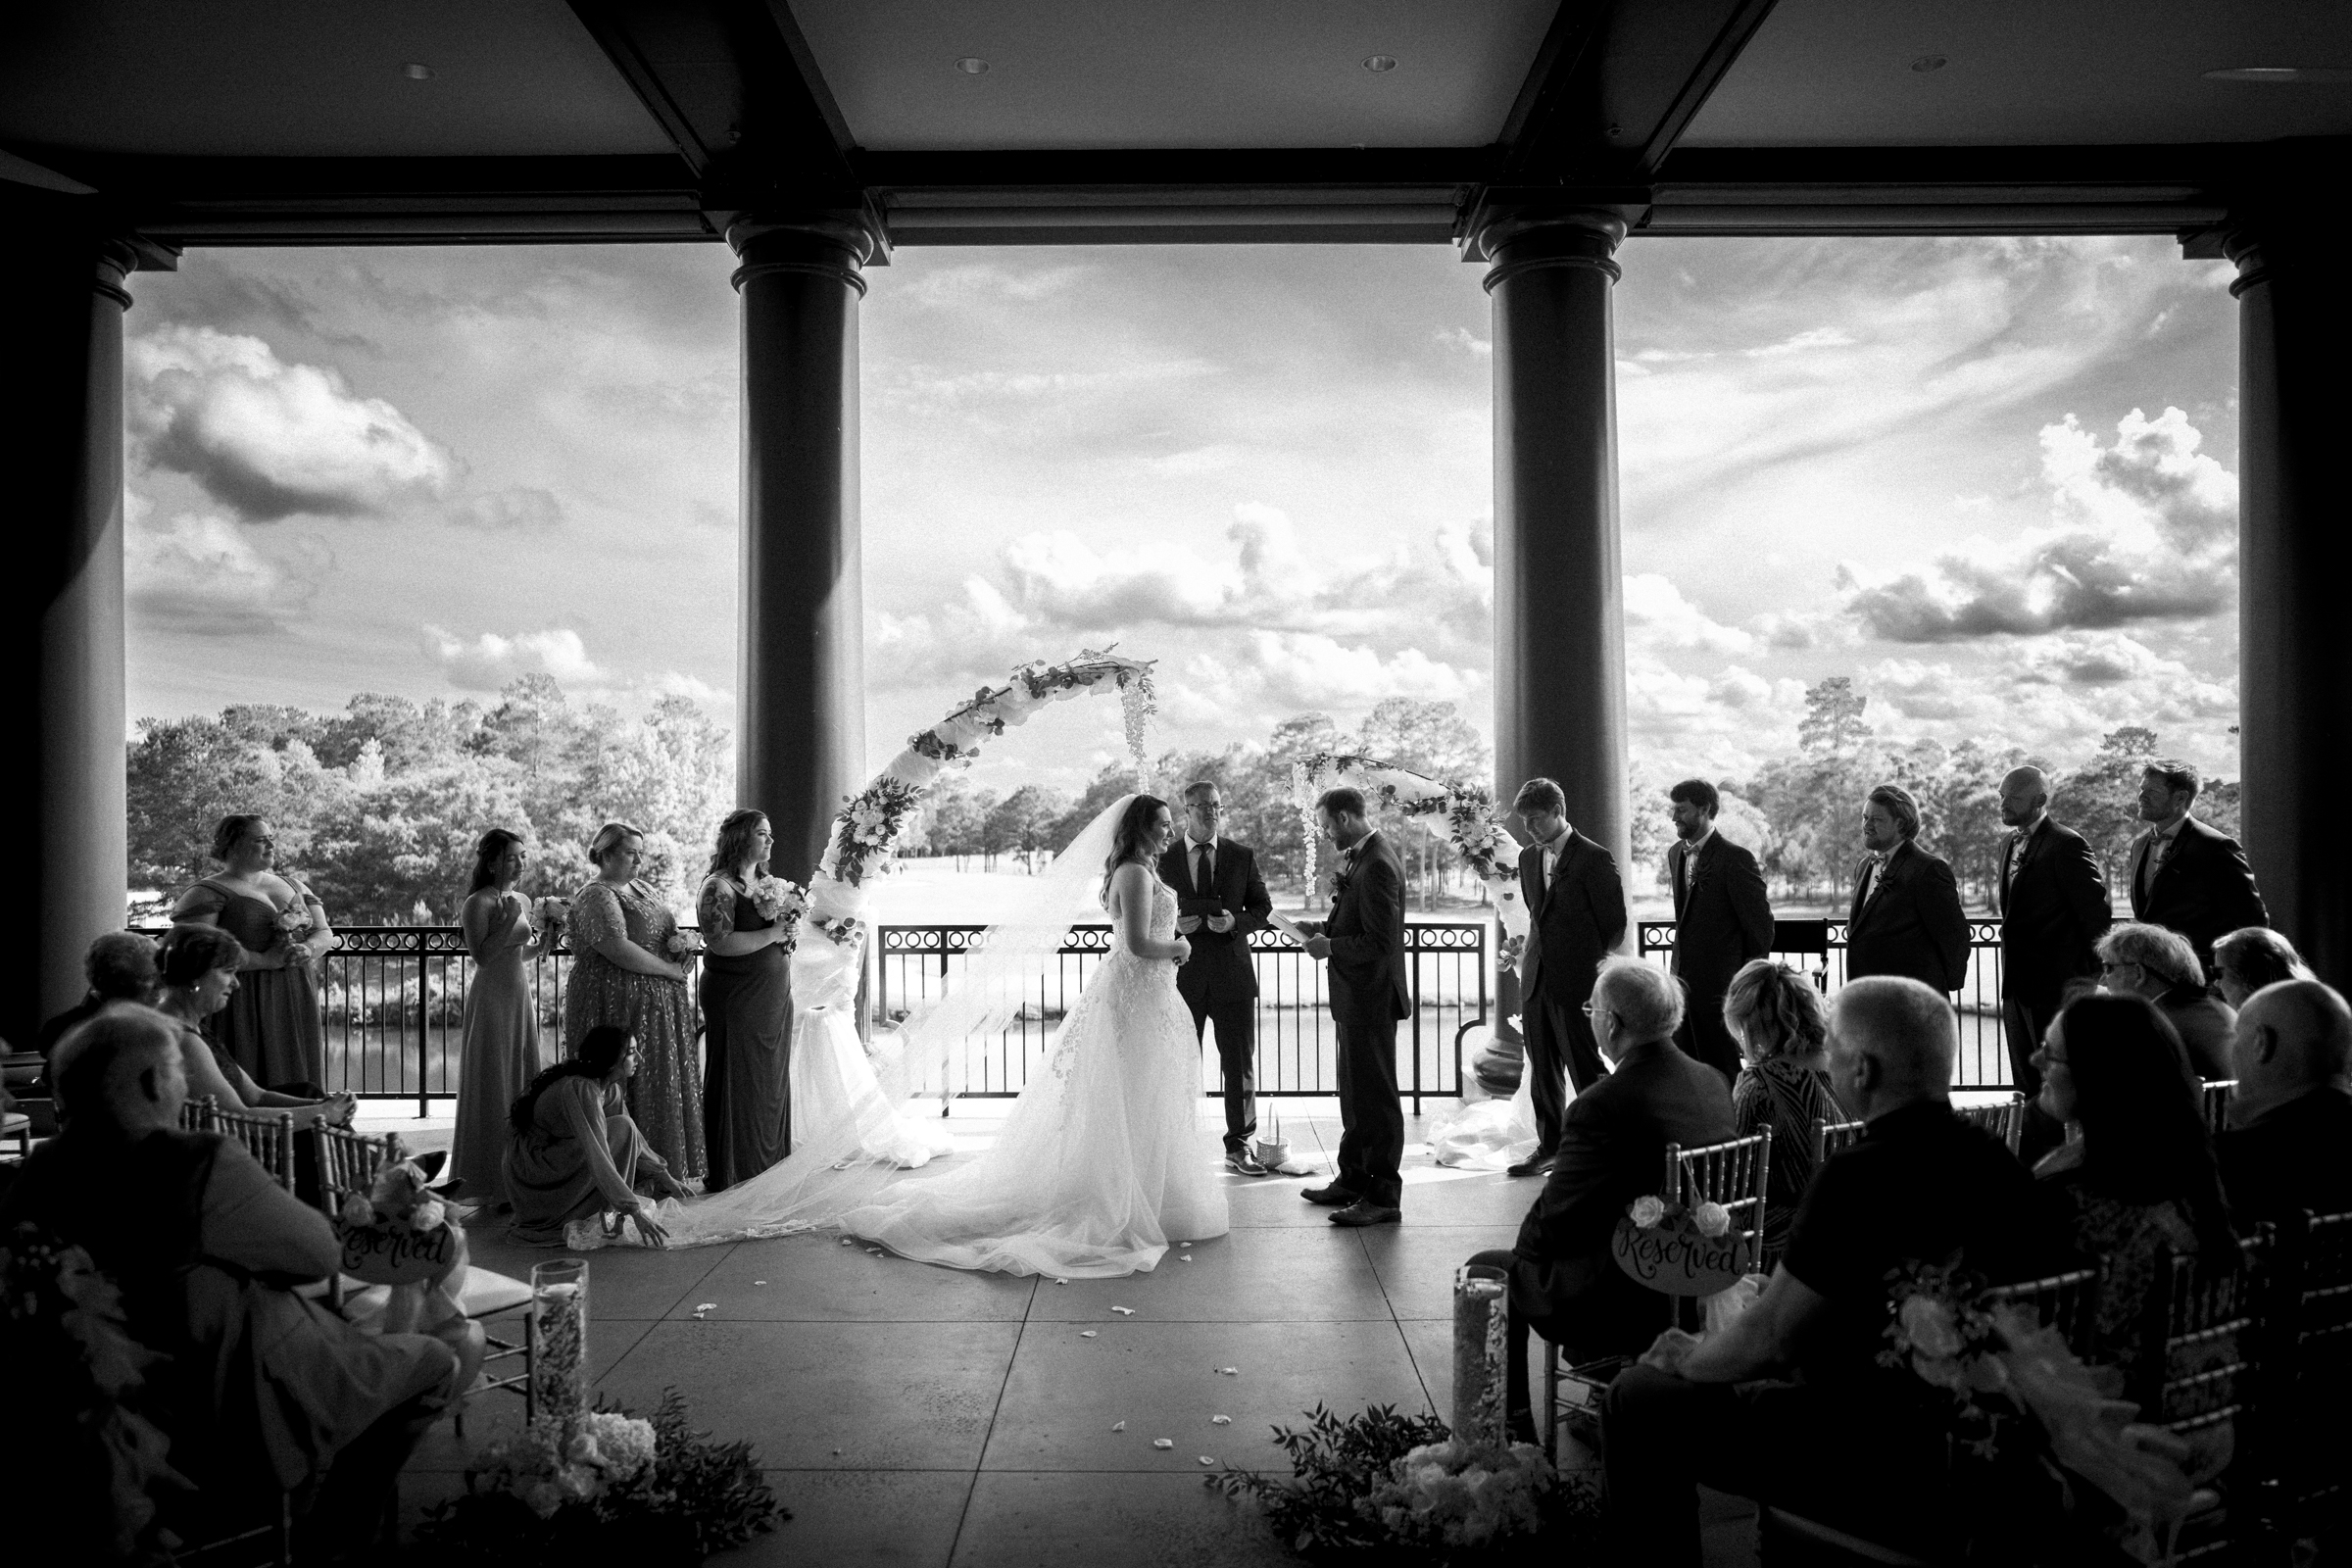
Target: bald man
point(2054, 910)
point(2290, 1116)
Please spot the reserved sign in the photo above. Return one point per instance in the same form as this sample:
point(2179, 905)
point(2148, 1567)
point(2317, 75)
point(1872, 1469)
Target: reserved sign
point(382, 1255)
point(1678, 1260)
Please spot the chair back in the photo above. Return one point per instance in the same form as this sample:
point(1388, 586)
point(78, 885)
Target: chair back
point(1832, 1136)
point(347, 1163)
point(198, 1113)
point(2217, 1102)
point(1733, 1174)
point(2063, 1301)
point(2211, 1329)
point(267, 1136)
point(2310, 1364)
point(2005, 1121)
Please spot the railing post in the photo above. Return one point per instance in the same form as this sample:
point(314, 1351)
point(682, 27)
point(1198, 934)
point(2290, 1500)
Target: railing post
point(1412, 948)
point(425, 1012)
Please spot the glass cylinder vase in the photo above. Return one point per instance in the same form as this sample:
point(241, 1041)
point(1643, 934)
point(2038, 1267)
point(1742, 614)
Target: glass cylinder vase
point(559, 1385)
point(1481, 1366)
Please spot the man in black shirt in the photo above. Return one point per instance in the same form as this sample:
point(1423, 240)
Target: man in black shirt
point(1853, 1444)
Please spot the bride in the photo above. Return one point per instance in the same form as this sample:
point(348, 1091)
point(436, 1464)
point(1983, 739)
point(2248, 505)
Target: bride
point(1101, 1162)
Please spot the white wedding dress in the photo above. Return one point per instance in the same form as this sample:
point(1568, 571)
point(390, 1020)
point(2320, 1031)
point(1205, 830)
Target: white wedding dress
point(1102, 1161)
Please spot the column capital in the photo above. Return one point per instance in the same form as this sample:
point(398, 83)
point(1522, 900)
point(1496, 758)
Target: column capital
point(117, 258)
point(834, 244)
point(1526, 239)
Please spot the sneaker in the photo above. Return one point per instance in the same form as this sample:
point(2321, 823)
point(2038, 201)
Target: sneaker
point(1241, 1164)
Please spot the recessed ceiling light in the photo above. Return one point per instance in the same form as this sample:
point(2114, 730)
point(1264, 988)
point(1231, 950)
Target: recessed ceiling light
point(2280, 73)
point(1927, 63)
point(1380, 62)
point(972, 66)
point(416, 72)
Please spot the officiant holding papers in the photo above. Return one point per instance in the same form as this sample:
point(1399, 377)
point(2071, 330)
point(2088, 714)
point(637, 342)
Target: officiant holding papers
point(1220, 899)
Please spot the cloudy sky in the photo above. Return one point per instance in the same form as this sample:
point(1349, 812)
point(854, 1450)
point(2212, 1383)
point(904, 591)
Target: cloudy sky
point(1993, 481)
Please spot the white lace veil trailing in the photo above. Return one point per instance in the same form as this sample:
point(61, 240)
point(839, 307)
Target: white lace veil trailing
point(935, 1055)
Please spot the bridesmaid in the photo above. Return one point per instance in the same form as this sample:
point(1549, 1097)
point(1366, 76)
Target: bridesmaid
point(271, 1026)
point(747, 1010)
point(624, 975)
point(501, 1051)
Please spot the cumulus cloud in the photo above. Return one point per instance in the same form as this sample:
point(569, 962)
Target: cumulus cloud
point(202, 574)
point(525, 507)
point(2144, 530)
point(490, 661)
point(1469, 342)
point(269, 439)
point(1657, 613)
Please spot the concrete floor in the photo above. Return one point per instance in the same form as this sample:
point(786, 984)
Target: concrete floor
point(917, 1415)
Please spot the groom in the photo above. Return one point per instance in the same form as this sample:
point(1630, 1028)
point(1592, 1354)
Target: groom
point(1364, 942)
point(1220, 900)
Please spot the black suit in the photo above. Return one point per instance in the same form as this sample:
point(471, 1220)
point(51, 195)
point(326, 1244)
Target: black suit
point(2054, 910)
point(2292, 1158)
point(1573, 922)
point(1219, 982)
point(1908, 921)
point(2205, 890)
point(1368, 995)
point(1722, 919)
point(1563, 1281)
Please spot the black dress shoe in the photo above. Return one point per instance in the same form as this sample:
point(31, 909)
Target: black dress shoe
point(1540, 1165)
point(1364, 1212)
point(1241, 1163)
point(1333, 1196)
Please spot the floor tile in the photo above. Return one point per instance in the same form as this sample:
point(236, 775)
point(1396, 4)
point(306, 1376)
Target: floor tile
point(623, 1282)
point(830, 1395)
point(1020, 1518)
point(1268, 1275)
point(1163, 1379)
point(816, 1279)
point(1417, 1262)
point(860, 1519)
point(1431, 1342)
point(1434, 1196)
point(1263, 1202)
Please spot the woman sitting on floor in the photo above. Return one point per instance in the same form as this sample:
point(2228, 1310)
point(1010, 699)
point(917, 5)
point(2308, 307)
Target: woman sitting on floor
point(2142, 1175)
point(575, 1154)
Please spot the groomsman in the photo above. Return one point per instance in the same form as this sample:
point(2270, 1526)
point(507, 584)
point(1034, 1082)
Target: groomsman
point(1906, 917)
point(1364, 942)
point(1576, 918)
point(2054, 909)
point(2185, 876)
point(1219, 900)
point(1722, 919)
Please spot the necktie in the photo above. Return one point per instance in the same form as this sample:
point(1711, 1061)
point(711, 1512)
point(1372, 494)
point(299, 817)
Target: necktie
point(1200, 876)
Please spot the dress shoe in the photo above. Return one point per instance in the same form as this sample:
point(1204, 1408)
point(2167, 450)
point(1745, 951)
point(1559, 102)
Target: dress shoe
point(1540, 1165)
point(1243, 1163)
point(1333, 1196)
point(1363, 1211)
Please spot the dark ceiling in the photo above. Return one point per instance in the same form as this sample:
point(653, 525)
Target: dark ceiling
point(294, 122)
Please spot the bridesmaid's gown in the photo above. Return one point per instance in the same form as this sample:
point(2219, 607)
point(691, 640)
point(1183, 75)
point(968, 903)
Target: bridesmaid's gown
point(271, 1026)
point(747, 1032)
point(501, 1052)
point(666, 1097)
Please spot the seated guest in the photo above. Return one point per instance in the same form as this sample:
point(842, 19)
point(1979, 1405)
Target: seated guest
point(2137, 1166)
point(1782, 1029)
point(1563, 1281)
point(2253, 956)
point(262, 1388)
point(2290, 1116)
point(2148, 961)
point(199, 967)
point(1853, 1444)
point(575, 1154)
point(120, 966)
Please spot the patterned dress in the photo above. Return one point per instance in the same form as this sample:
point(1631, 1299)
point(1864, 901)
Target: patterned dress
point(747, 1019)
point(1783, 1096)
point(666, 1097)
point(272, 1027)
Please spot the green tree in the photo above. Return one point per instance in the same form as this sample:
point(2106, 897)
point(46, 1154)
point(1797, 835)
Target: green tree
point(1024, 821)
point(2100, 800)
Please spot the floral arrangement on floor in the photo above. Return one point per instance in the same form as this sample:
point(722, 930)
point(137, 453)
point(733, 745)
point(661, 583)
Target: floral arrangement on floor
point(78, 1442)
point(1388, 1489)
point(1473, 824)
point(2023, 1402)
point(605, 1486)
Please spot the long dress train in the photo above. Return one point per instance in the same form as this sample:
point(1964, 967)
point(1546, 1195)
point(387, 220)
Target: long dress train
point(1103, 1159)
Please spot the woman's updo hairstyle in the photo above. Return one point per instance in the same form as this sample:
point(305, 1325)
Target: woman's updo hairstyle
point(230, 833)
point(609, 835)
point(189, 952)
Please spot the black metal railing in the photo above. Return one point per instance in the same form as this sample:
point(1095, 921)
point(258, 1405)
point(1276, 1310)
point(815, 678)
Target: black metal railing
point(1445, 965)
point(1819, 948)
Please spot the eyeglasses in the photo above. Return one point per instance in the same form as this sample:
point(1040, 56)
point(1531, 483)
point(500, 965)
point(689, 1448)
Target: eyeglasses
point(2117, 965)
point(1594, 1009)
point(1210, 807)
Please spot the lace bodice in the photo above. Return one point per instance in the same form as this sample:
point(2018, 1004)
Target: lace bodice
point(1163, 925)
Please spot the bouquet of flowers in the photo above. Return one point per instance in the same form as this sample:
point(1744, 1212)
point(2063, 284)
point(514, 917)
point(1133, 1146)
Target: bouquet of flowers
point(550, 911)
point(604, 1484)
point(683, 945)
point(295, 920)
point(778, 899)
point(845, 932)
point(1452, 1496)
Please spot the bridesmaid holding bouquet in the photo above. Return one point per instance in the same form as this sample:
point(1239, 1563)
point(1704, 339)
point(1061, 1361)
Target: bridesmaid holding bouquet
point(501, 1050)
point(631, 971)
point(271, 1026)
point(749, 919)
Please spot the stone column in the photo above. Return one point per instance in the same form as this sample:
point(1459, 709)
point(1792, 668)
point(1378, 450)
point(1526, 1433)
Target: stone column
point(800, 737)
point(2295, 551)
point(1560, 610)
point(63, 633)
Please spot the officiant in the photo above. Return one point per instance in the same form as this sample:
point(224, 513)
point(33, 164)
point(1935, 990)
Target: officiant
point(1220, 899)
